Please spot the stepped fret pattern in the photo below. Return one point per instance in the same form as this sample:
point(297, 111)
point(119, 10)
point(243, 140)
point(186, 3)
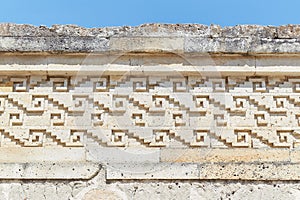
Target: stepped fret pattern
point(150, 111)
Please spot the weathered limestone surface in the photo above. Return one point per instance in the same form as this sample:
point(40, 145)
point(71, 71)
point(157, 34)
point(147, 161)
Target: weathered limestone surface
point(186, 38)
point(150, 112)
point(97, 188)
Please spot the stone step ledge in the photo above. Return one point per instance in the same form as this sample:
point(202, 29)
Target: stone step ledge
point(260, 171)
point(49, 170)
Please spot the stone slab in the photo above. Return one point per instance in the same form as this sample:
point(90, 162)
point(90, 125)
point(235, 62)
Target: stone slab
point(135, 44)
point(168, 171)
point(189, 38)
point(49, 170)
point(263, 171)
point(57, 44)
point(40, 154)
point(122, 155)
point(204, 155)
point(121, 70)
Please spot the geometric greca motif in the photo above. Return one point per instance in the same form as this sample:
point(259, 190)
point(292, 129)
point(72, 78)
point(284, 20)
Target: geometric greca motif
point(150, 111)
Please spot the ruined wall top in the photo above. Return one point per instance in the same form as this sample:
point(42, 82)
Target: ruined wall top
point(185, 38)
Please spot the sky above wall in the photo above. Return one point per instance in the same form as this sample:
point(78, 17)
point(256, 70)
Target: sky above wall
point(99, 13)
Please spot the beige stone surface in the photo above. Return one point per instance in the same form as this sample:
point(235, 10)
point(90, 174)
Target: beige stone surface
point(295, 156)
point(48, 170)
point(144, 171)
point(101, 195)
point(250, 171)
point(39, 154)
point(228, 155)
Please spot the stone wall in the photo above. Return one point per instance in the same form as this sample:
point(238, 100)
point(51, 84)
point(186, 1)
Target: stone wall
point(149, 112)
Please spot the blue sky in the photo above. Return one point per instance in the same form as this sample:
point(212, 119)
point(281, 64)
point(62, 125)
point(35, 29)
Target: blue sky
point(93, 13)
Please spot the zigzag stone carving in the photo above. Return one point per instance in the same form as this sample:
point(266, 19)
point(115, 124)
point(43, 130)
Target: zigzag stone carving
point(151, 102)
point(152, 111)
